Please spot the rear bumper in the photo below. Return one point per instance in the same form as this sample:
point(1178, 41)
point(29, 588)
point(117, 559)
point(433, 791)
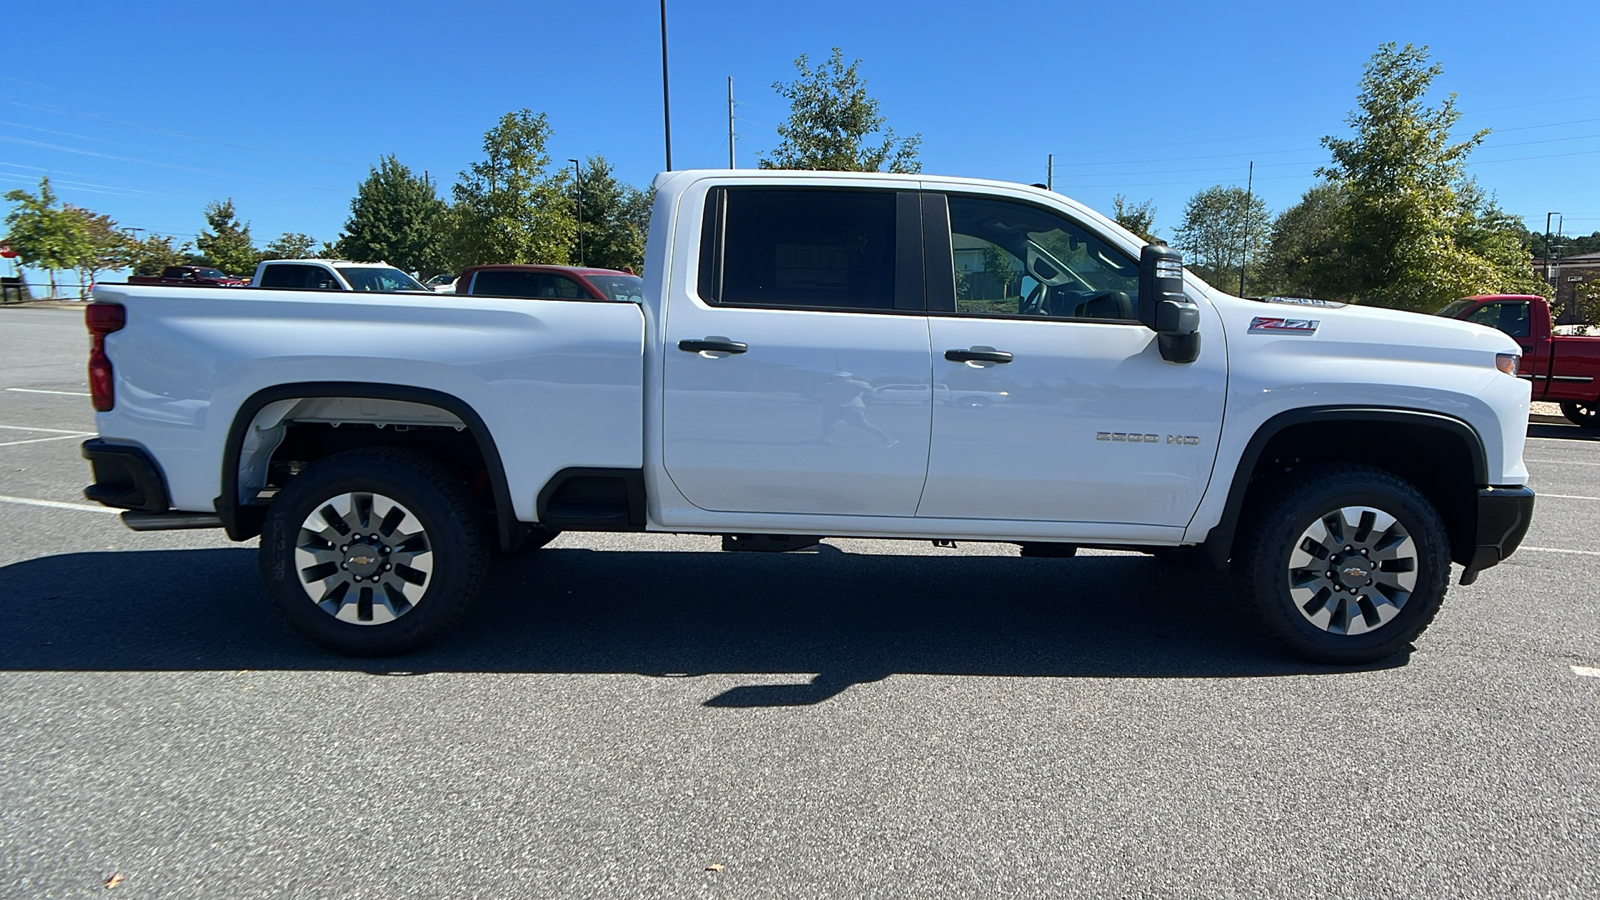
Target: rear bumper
point(125, 477)
point(1504, 514)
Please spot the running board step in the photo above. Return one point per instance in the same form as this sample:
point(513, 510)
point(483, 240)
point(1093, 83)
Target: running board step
point(140, 520)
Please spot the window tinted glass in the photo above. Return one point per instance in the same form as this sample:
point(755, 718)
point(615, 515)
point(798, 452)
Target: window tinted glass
point(1012, 259)
point(543, 285)
point(806, 248)
point(284, 276)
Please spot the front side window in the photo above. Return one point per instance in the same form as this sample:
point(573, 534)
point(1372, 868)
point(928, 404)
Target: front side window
point(1509, 317)
point(1014, 259)
point(626, 288)
point(800, 248)
point(368, 278)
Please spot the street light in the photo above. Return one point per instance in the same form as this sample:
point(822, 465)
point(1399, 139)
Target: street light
point(577, 187)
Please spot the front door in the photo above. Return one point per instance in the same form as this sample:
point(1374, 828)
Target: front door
point(1052, 402)
point(797, 379)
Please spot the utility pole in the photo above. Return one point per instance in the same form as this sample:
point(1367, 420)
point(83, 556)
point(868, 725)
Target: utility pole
point(730, 123)
point(577, 186)
point(1547, 217)
point(1249, 193)
point(1050, 172)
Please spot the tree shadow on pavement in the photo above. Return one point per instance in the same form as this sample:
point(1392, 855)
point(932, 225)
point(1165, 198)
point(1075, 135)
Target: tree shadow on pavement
point(850, 618)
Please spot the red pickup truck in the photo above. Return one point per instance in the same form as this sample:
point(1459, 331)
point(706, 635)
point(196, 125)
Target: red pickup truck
point(197, 275)
point(1564, 369)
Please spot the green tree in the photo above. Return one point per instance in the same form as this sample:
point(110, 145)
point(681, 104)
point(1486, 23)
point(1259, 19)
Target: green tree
point(227, 245)
point(292, 245)
point(1306, 252)
point(834, 125)
point(612, 236)
point(997, 265)
point(43, 233)
point(154, 253)
point(1139, 218)
point(397, 217)
point(109, 247)
point(1223, 229)
point(508, 208)
point(1415, 232)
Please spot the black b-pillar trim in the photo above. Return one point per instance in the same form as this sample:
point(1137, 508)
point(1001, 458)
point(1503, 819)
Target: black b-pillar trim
point(939, 260)
point(244, 521)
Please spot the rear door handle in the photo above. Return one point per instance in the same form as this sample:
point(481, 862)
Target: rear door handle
point(976, 355)
point(719, 345)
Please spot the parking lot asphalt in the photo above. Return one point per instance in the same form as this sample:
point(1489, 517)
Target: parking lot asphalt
point(646, 716)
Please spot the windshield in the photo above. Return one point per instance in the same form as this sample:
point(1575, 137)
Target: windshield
point(437, 280)
point(209, 273)
point(371, 278)
point(1451, 309)
point(627, 288)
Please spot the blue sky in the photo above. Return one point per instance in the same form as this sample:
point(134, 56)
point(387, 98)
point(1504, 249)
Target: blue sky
point(149, 110)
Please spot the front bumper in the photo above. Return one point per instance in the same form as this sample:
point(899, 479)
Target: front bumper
point(1504, 514)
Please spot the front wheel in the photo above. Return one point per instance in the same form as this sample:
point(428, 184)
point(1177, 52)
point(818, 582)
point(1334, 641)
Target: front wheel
point(1344, 564)
point(1583, 413)
point(373, 552)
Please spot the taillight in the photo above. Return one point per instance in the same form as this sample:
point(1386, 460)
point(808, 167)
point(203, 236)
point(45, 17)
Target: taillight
point(102, 319)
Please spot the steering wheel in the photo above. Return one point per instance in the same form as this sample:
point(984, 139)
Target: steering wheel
point(1033, 304)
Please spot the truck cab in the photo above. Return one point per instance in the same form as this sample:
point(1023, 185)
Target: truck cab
point(1563, 369)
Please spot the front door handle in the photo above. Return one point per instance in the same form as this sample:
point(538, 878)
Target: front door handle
point(976, 355)
point(718, 345)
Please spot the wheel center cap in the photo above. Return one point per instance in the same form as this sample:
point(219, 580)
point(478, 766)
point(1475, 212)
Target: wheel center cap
point(1353, 571)
point(363, 559)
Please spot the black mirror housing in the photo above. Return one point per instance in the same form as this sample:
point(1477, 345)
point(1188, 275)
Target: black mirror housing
point(1163, 306)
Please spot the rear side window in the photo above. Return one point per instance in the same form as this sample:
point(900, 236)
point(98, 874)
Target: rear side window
point(798, 247)
point(543, 285)
point(284, 277)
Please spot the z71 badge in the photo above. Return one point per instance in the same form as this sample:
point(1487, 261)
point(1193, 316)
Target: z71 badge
point(1274, 325)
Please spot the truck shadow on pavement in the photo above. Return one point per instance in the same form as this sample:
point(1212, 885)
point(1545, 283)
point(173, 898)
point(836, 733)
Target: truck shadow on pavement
point(850, 618)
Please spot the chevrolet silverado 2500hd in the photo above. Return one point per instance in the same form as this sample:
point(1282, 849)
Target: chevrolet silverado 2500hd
point(783, 378)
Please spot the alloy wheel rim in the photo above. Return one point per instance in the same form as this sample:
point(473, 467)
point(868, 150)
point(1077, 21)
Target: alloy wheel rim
point(363, 558)
point(1352, 570)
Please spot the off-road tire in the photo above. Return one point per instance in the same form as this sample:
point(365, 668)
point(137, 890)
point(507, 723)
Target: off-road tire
point(431, 499)
point(1278, 524)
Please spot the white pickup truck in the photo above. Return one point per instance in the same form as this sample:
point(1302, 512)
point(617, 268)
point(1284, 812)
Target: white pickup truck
point(824, 354)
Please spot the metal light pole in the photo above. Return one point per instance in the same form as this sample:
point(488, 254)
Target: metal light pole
point(730, 123)
point(1249, 194)
point(666, 100)
point(577, 187)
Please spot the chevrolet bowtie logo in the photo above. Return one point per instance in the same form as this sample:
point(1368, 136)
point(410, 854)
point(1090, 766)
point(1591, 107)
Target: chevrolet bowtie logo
point(363, 560)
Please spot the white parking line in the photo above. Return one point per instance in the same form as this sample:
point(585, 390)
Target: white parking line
point(45, 430)
point(56, 504)
point(59, 437)
point(1562, 462)
point(1560, 550)
point(1586, 671)
point(1569, 497)
point(42, 391)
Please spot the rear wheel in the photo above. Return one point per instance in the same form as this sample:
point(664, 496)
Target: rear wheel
point(1345, 564)
point(373, 552)
point(1585, 413)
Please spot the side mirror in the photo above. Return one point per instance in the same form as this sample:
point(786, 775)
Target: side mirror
point(1163, 307)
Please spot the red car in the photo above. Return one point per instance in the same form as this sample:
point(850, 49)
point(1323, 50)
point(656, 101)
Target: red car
point(195, 275)
point(1564, 369)
point(552, 282)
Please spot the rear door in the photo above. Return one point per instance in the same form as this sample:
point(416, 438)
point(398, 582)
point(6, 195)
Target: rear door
point(797, 371)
